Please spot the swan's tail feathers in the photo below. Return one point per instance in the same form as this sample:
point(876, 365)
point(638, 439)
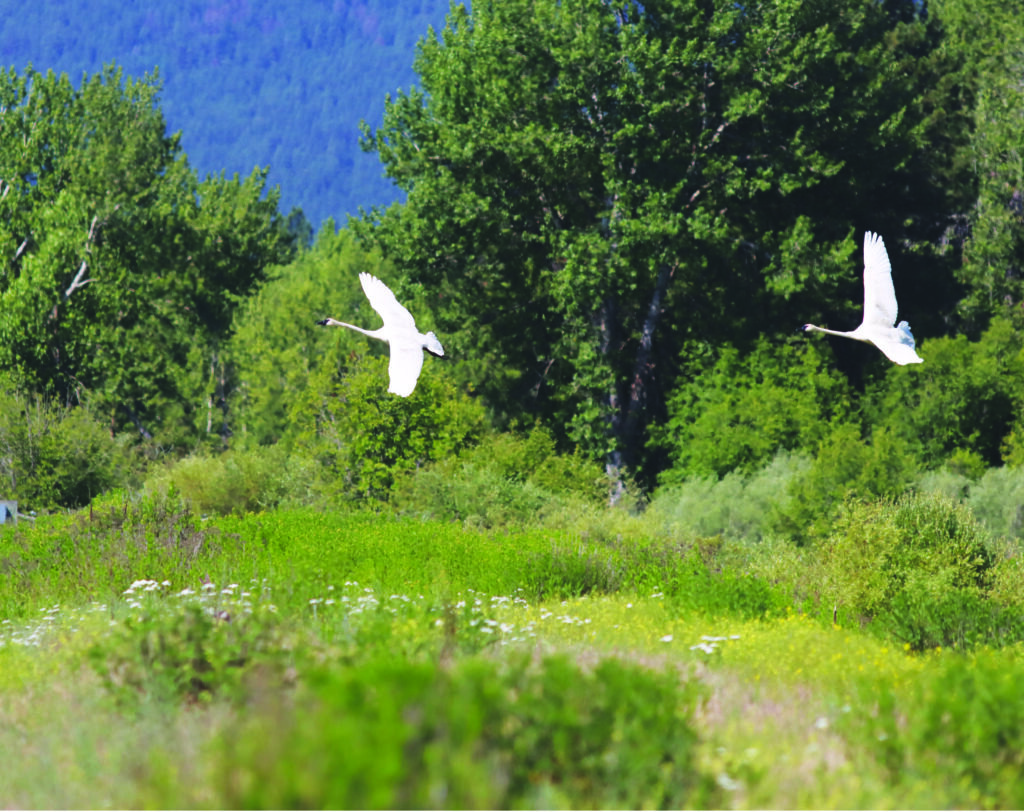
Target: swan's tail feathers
point(906, 337)
point(433, 345)
point(901, 351)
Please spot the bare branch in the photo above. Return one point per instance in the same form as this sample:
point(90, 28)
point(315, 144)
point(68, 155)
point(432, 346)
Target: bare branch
point(78, 282)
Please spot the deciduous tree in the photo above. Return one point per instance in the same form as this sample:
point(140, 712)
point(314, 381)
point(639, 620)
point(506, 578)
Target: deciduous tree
point(119, 268)
point(593, 184)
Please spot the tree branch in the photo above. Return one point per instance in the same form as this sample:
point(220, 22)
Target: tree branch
point(78, 282)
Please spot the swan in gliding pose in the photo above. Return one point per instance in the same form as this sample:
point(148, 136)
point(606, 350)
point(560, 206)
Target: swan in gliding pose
point(879, 309)
point(399, 331)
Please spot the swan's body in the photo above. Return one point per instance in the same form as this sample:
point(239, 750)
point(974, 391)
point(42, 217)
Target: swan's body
point(877, 326)
point(399, 331)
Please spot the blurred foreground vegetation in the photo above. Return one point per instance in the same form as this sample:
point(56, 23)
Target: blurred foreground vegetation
point(598, 658)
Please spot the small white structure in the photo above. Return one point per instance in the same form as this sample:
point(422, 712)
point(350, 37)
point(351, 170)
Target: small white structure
point(8, 511)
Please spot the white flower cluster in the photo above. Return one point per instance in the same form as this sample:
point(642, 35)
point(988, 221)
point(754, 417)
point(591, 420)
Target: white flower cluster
point(709, 644)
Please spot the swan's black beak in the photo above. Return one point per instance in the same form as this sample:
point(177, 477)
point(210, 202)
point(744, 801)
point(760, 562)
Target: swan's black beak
point(322, 322)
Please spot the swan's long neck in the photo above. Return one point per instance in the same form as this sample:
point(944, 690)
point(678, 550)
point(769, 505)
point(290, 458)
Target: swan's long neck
point(843, 333)
point(378, 334)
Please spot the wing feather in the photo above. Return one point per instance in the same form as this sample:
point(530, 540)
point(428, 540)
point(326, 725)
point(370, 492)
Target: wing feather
point(879, 294)
point(404, 368)
point(384, 302)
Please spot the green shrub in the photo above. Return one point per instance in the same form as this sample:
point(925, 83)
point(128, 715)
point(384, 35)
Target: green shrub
point(241, 481)
point(1008, 574)
point(923, 619)
point(997, 499)
point(506, 479)
point(888, 555)
point(367, 438)
point(55, 457)
point(738, 506)
point(944, 482)
point(478, 735)
point(748, 406)
point(189, 652)
point(955, 737)
point(844, 467)
point(478, 496)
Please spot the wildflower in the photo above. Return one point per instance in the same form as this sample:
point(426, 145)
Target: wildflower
point(727, 783)
point(667, 638)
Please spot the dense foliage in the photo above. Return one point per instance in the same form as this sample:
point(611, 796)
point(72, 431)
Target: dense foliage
point(594, 187)
point(121, 269)
point(614, 211)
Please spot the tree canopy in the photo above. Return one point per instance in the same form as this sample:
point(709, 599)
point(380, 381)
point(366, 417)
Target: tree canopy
point(120, 269)
point(595, 186)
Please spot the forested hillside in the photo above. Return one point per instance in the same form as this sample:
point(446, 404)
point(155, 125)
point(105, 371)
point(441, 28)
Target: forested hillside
point(249, 83)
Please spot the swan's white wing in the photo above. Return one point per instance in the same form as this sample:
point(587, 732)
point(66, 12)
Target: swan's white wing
point(898, 353)
point(404, 367)
point(879, 294)
point(384, 302)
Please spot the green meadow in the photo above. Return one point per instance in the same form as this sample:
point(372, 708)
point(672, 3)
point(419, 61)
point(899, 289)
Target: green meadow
point(305, 658)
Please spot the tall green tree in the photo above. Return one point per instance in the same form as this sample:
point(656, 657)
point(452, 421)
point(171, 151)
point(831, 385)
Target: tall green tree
point(594, 184)
point(119, 268)
point(985, 38)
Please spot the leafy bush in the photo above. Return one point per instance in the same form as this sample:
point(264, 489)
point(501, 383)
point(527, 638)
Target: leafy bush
point(54, 457)
point(190, 652)
point(886, 556)
point(739, 506)
point(740, 412)
point(997, 499)
point(844, 467)
point(923, 619)
point(368, 438)
point(963, 399)
point(261, 478)
point(958, 730)
point(505, 479)
point(474, 735)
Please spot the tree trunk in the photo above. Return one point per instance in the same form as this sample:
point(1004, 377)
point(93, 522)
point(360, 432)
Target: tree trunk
point(615, 466)
point(643, 368)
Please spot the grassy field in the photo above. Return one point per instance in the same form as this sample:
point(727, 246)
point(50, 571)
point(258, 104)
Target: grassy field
point(149, 658)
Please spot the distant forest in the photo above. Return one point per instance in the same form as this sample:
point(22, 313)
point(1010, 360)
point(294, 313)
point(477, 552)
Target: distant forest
point(248, 82)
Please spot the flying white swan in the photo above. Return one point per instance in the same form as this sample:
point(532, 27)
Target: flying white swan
point(399, 331)
point(879, 309)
